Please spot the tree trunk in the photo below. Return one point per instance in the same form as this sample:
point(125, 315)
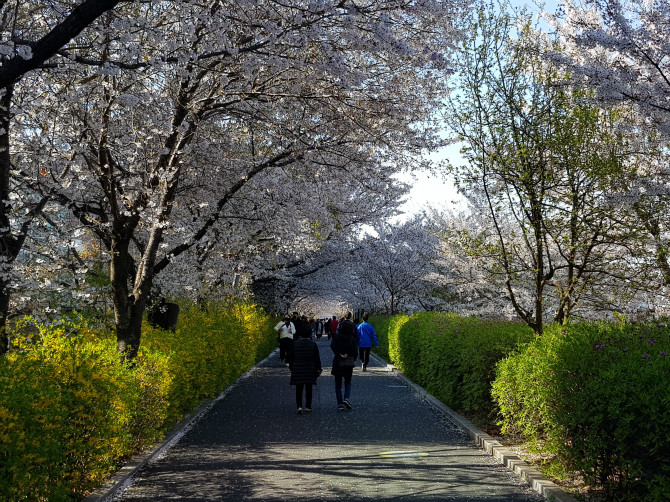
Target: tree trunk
point(653, 226)
point(128, 310)
point(11, 239)
point(537, 219)
point(4, 311)
point(128, 334)
point(129, 305)
point(7, 247)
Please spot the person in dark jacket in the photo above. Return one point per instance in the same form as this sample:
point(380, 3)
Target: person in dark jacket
point(297, 321)
point(305, 364)
point(344, 346)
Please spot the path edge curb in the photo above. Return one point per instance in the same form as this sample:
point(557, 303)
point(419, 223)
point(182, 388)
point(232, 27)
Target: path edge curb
point(545, 487)
point(121, 478)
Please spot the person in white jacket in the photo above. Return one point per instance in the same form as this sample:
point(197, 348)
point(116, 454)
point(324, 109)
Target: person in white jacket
point(286, 330)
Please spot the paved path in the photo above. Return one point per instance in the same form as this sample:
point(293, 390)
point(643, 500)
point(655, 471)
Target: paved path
point(252, 445)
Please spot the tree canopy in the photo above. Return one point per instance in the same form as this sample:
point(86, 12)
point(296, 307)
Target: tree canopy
point(189, 149)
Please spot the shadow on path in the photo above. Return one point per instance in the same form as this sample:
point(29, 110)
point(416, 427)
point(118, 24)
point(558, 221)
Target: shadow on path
point(252, 445)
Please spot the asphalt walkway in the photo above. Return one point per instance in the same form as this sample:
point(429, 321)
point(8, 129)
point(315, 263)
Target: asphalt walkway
point(393, 446)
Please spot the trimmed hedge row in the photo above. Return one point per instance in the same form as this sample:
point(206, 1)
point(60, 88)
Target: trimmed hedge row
point(70, 413)
point(595, 395)
point(599, 395)
point(452, 357)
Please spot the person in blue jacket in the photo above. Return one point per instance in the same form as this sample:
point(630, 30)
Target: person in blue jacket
point(366, 337)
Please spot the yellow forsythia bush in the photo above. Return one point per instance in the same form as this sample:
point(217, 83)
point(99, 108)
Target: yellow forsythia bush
point(213, 345)
point(67, 406)
point(70, 412)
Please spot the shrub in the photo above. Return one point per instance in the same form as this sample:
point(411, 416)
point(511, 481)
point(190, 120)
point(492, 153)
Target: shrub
point(599, 394)
point(395, 325)
point(212, 346)
point(454, 358)
point(70, 411)
point(67, 407)
point(387, 328)
point(381, 325)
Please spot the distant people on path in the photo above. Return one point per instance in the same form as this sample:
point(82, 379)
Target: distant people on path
point(332, 327)
point(305, 364)
point(366, 338)
point(295, 319)
point(345, 351)
point(319, 329)
point(303, 329)
point(286, 330)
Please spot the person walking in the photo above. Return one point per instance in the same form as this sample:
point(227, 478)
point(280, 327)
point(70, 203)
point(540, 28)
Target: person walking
point(332, 327)
point(305, 364)
point(366, 338)
point(302, 329)
point(326, 327)
point(345, 347)
point(295, 319)
point(319, 329)
point(286, 330)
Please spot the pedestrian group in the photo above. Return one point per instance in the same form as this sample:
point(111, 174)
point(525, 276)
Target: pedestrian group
point(298, 350)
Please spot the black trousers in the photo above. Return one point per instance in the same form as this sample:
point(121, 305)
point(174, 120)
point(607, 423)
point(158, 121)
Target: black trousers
point(364, 355)
point(285, 346)
point(308, 394)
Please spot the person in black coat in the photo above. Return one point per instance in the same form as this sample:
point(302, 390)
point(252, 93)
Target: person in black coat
point(345, 349)
point(305, 364)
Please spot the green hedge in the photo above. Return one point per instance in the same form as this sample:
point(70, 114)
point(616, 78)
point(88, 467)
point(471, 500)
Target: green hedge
point(599, 394)
point(70, 413)
point(594, 395)
point(387, 328)
point(452, 357)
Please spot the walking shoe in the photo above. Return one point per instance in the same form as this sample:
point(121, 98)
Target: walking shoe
point(299, 411)
point(340, 407)
point(308, 410)
point(347, 404)
point(365, 368)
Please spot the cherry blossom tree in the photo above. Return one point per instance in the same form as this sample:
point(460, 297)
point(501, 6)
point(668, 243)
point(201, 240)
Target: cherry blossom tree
point(620, 50)
point(32, 34)
point(294, 231)
point(466, 284)
point(392, 266)
point(158, 143)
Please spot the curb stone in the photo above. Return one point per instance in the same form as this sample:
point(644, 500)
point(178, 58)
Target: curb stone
point(123, 477)
point(548, 489)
